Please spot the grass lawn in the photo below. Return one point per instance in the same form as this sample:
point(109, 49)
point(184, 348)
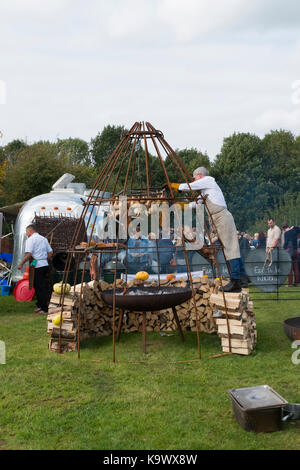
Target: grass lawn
point(49, 401)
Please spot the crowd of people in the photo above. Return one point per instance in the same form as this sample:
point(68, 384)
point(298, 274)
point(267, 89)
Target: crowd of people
point(287, 237)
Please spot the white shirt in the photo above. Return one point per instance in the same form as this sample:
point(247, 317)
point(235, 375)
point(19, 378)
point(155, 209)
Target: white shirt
point(209, 187)
point(273, 235)
point(39, 248)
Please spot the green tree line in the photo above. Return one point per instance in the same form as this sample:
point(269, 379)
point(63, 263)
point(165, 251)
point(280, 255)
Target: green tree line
point(260, 177)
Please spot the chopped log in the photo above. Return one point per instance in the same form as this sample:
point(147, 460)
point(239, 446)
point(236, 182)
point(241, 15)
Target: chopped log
point(243, 351)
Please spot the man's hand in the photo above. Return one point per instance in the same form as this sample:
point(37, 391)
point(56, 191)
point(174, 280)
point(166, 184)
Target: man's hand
point(174, 186)
point(27, 257)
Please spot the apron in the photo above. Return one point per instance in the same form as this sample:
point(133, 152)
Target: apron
point(223, 221)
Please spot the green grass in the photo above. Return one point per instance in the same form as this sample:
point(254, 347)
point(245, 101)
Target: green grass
point(49, 401)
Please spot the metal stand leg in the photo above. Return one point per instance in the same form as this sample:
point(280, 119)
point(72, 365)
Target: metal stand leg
point(144, 332)
point(178, 323)
point(120, 324)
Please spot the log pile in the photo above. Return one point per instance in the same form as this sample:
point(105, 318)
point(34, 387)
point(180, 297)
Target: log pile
point(97, 317)
point(241, 322)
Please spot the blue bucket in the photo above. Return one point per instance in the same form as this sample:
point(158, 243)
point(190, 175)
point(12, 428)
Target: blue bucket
point(5, 290)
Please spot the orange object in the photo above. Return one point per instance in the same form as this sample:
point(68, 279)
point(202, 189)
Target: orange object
point(55, 208)
point(142, 275)
point(26, 274)
point(171, 277)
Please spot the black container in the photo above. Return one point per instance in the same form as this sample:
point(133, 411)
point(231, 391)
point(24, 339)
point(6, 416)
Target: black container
point(148, 298)
point(257, 409)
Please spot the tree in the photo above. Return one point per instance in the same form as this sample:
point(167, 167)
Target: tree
point(239, 170)
point(76, 150)
point(37, 168)
point(84, 174)
point(191, 159)
point(13, 149)
point(281, 164)
point(3, 165)
point(103, 145)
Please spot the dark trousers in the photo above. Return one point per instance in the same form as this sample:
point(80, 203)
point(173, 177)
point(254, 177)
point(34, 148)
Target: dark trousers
point(40, 275)
point(237, 268)
point(294, 269)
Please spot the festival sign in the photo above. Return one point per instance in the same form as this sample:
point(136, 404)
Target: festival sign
point(268, 272)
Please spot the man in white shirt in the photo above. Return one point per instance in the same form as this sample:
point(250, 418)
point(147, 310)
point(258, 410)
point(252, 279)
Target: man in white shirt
point(273, 235)
point(223, 222)
point(38, 248)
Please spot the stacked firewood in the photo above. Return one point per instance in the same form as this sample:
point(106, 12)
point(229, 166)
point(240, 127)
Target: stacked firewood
point(97, 317)
point(68, 333)
point(240, 326)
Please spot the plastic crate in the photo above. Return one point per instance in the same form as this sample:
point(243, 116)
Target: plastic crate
point(5, 290)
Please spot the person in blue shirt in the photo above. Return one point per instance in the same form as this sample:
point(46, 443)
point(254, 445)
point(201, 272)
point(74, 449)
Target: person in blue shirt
point(162, 252)
point(138, 253)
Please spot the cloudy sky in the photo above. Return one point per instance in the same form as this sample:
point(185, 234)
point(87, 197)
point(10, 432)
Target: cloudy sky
point(196, 69)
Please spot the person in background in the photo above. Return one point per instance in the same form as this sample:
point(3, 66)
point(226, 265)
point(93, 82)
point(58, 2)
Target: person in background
point(261, 241)
point(250, 239)
point(38, 248)
point(244, 244)
point(138, 252)
point(255, 240)
point(290, 245)
point(273, 235)
point(162, 252)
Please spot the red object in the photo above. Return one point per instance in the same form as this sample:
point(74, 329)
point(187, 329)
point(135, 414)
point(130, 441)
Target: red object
point(22, 292)
point(26, 273)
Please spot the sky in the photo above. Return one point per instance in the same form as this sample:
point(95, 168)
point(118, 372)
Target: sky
point(198, 70)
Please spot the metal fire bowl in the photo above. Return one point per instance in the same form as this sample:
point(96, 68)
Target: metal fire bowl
point(145, 299)
point(292, 328)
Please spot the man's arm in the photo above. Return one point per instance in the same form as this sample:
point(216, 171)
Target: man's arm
point(25, 259)
point(277, 240)
point(203, 183)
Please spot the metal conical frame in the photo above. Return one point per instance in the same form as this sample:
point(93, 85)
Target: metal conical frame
point(126, 148)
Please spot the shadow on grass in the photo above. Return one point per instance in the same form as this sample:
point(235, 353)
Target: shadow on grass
point(159, 348)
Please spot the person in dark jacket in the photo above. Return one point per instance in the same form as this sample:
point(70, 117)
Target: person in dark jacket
point(244, 245)
point(261, 241)
point(290, 245)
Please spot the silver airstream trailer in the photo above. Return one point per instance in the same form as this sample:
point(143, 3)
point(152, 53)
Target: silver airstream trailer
point(64, 200)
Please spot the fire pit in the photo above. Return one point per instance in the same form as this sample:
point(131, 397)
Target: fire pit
point(292, 328)
point(145, 299)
